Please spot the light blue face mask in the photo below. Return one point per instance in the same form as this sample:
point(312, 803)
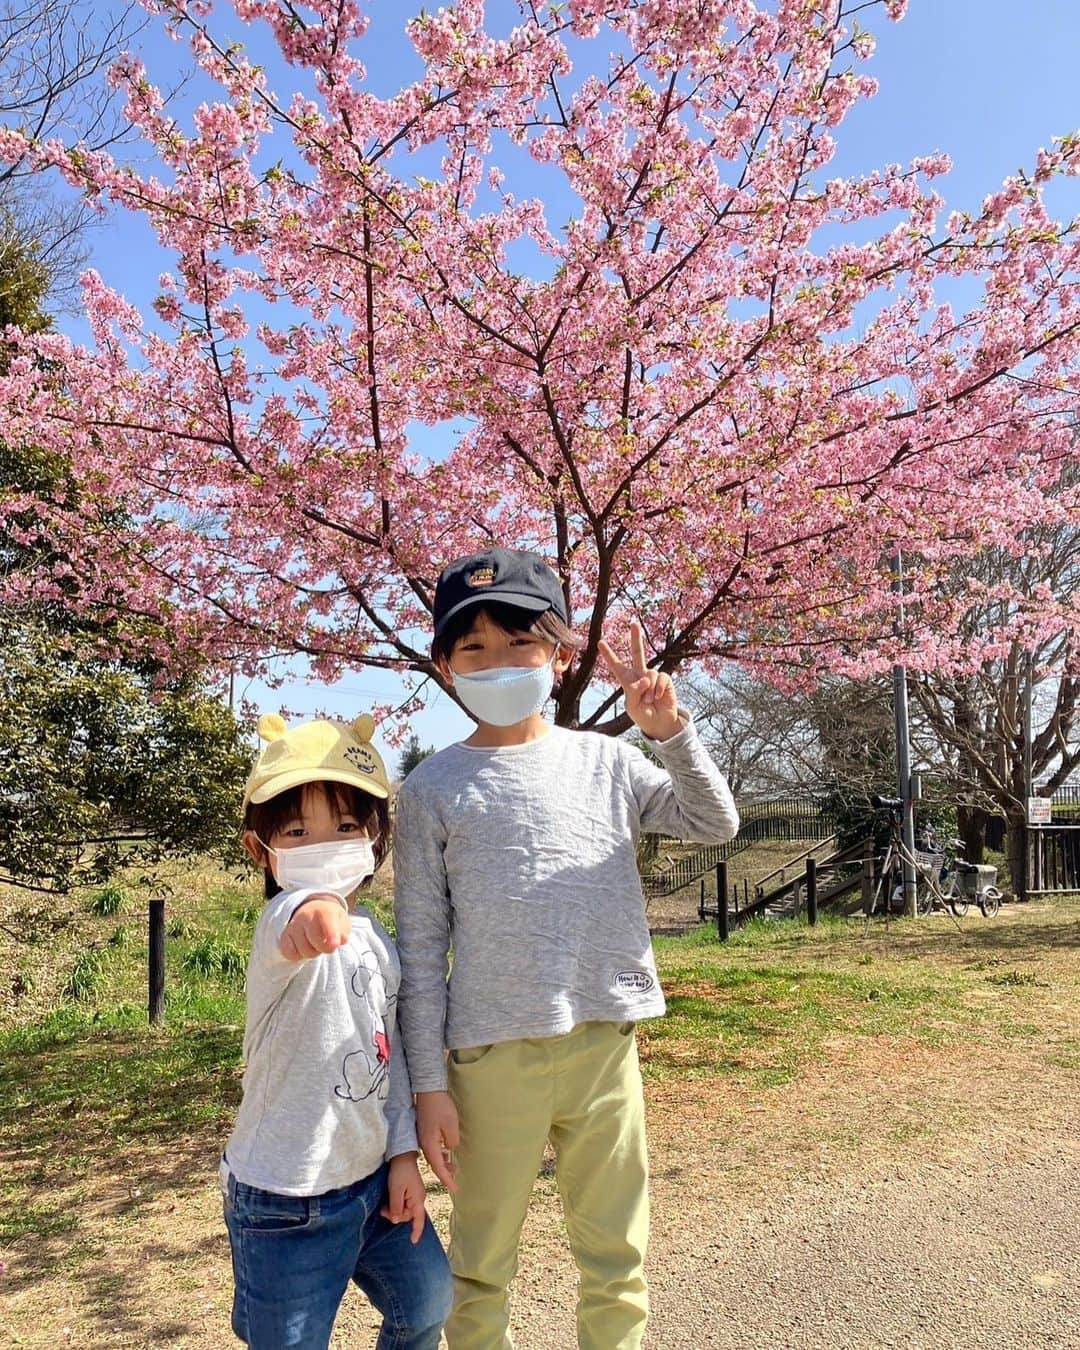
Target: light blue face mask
point(506, 695)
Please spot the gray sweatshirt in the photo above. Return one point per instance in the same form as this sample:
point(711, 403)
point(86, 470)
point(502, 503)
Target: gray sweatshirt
point(326, 1088)
point(523, 860)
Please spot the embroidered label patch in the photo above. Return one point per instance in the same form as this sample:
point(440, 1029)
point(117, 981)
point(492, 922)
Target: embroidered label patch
point(634, 981)
point(480, 576)
point(359, 759)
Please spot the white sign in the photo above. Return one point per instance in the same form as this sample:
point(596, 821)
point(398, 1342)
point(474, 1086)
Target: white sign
point(1039, 810)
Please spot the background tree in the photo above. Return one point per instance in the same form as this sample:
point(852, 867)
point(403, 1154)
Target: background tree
point(978, 717)
point(693, 405)
point(107, 759)
point(967, 728)
point(100, 770)
point(411, 755)
point(764, 739)
point(54, 56)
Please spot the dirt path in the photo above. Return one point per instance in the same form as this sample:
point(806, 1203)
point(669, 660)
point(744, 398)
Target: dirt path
point(961, 1230)
point(923, 1256)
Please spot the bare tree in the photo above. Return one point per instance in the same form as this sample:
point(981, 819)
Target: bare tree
point(837, 737)
point(54, 55)
point(763, 740)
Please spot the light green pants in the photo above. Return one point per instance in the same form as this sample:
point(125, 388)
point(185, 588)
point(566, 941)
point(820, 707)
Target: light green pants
point(583, 1092)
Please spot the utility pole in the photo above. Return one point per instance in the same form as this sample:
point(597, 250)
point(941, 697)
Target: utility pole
point(903, 751)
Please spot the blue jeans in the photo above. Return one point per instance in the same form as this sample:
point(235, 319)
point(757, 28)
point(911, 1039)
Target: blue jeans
point(293, 1257)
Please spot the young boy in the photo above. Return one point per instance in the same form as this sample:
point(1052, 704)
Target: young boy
point(517, 848)
point(319, 1175)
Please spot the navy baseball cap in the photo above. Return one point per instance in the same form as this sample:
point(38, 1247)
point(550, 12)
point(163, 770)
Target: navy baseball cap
point(501, 576)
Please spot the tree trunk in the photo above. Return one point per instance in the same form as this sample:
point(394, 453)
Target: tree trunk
point(1015, 842)
point(971, 827)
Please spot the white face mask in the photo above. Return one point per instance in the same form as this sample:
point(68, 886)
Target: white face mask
point(506, 695)
point(338, 866)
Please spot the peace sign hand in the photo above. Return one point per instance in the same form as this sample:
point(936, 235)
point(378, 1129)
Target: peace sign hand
point(650, 695)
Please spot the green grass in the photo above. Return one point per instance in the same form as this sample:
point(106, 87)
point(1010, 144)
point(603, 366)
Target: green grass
point(84, 1079)
point(108, 901)
point(760, 1007)
point(21, 1217)
point(102, 1081)
point(1065, 1055)
point(87, 975)
point(213, 956)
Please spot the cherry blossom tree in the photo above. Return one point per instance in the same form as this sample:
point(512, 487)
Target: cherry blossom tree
point(978, 716)
point(718, 396)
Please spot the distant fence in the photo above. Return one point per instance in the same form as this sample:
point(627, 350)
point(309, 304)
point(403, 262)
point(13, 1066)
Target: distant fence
point(781, 818)
point(1053, 858)
point(1066, 800)
point(1054, 864)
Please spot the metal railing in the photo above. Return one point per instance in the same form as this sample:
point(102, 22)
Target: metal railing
point(781, 818)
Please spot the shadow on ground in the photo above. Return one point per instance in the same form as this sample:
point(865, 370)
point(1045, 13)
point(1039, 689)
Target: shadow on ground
point(121, 1114)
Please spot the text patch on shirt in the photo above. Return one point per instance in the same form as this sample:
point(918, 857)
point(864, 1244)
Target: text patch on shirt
point(634, 981)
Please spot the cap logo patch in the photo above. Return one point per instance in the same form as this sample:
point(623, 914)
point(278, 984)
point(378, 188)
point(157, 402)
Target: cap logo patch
point(359, 758)
point(480, 576)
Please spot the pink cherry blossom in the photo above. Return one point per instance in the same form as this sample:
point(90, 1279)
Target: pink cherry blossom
point(705, 410)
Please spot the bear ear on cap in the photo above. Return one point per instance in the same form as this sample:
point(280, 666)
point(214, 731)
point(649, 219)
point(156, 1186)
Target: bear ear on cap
point(363, 727)
point(271, 727)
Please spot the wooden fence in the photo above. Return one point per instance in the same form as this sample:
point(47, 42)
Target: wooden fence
point(1053, 859)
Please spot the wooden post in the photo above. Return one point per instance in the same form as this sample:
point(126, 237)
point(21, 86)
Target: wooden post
point(811, 891)
point(157, 960)
point(722, 931)
point(701, 903)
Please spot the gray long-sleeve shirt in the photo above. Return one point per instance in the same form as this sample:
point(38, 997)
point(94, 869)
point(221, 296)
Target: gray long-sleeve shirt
point(326, 1087)
point(523, 859)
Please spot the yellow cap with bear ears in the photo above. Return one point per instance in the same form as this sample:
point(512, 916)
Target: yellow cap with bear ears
point(316, 752)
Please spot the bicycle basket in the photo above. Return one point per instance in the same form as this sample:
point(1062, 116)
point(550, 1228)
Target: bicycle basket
point(929, 864)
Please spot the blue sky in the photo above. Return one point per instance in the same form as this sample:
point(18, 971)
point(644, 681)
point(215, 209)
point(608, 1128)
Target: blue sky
point(987, 81)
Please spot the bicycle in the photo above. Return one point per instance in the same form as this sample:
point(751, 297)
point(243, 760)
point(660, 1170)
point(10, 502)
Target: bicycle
point(960, 882)
point(942, 876)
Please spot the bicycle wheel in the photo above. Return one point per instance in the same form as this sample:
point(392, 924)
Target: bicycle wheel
point(990, 901)
point(959, 901)
point(924, 900)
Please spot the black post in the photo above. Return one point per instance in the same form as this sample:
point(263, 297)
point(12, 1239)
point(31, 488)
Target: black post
point(811, 891)
point(721, 901)
point(701, 903)
point(157, 960)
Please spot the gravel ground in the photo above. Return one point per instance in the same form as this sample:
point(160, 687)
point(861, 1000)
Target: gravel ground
point(925, 1257)
point(961, 1255)
point(984, 1253)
